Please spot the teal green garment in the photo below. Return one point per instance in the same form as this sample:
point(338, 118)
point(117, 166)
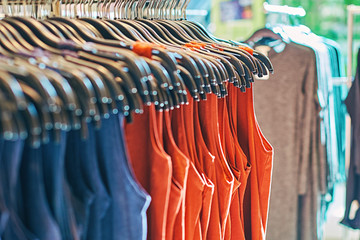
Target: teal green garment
point(340, 92)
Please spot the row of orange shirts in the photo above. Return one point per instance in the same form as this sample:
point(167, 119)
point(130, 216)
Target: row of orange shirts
point(206, 166)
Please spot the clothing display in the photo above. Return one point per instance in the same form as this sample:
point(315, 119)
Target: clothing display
point(129, 129)
point(300, 123)
point(352, 186)
point(228, 173)
point(65, 194)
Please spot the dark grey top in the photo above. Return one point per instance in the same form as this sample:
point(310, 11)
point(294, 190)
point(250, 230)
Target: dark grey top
point(353, 182)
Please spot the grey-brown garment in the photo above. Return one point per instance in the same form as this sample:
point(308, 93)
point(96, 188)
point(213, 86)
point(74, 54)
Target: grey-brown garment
point(285, 107)
point(310, 201)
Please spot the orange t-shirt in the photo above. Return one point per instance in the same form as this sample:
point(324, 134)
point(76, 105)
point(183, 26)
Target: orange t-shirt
point(224, 180)
point(200, 154)
point(152, 168)
point(194, 189)
point(259, 152)
point(180, 167)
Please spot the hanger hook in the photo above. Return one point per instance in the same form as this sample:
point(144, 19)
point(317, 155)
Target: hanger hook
point(161, 13)
point(175, 8)
point(5, 6)
point(75, 4)
point(48, 6)
point(98, 9)
point(33, 10)
point(29, 8)
point(103, 10)
point(24, 8)
point(72, 8)
point(12, 12)
point(126, 7)
point(89, 6)
point(153, 9)
point(134, 9)
point(139, 9)
point(109, 9)
point(68, 8)
point(148, 6)
point(168, 9)
point(178, 9)
point(120, 9)
point(82, 8)
point(115, 9)
point(184, 9)
point(158, 12)
point(129, 8)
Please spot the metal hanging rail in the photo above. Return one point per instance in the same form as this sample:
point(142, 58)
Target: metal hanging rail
point(284, 9)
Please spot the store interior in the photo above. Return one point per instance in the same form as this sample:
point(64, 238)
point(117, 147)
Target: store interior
point(179, 120)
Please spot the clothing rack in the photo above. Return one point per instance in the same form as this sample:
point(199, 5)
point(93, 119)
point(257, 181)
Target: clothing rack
point(67, 85)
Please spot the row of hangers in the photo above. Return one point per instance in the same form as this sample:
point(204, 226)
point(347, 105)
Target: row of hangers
point(128, 9)
point(59, 73)
point(116, 9)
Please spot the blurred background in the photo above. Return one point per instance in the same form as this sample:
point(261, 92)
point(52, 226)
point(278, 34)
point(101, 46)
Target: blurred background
point(238, 19)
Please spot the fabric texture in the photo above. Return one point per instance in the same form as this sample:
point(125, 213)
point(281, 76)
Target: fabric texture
point(286, 121)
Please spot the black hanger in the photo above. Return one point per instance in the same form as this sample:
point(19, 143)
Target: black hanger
point(200, 29)
point(66, 31)
point(263, 33)
point(161, 76)
point(52, 102)
point(265, 60)
point(130, 87)
point(54, 30)
point(245, 57)
point(24, 108)
point(15, 100)
point(101, 90)
point(199, 34)
point(120, 102)
point(8, 128)
point(162, 32)
point(175, 31)
point(86, 36)
point(37, 34)
point(17, 36)
point(68, 96)
point(41, 109)
point(149, 34)
point(133, 86)
point(117, 23)
point(234, 52)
